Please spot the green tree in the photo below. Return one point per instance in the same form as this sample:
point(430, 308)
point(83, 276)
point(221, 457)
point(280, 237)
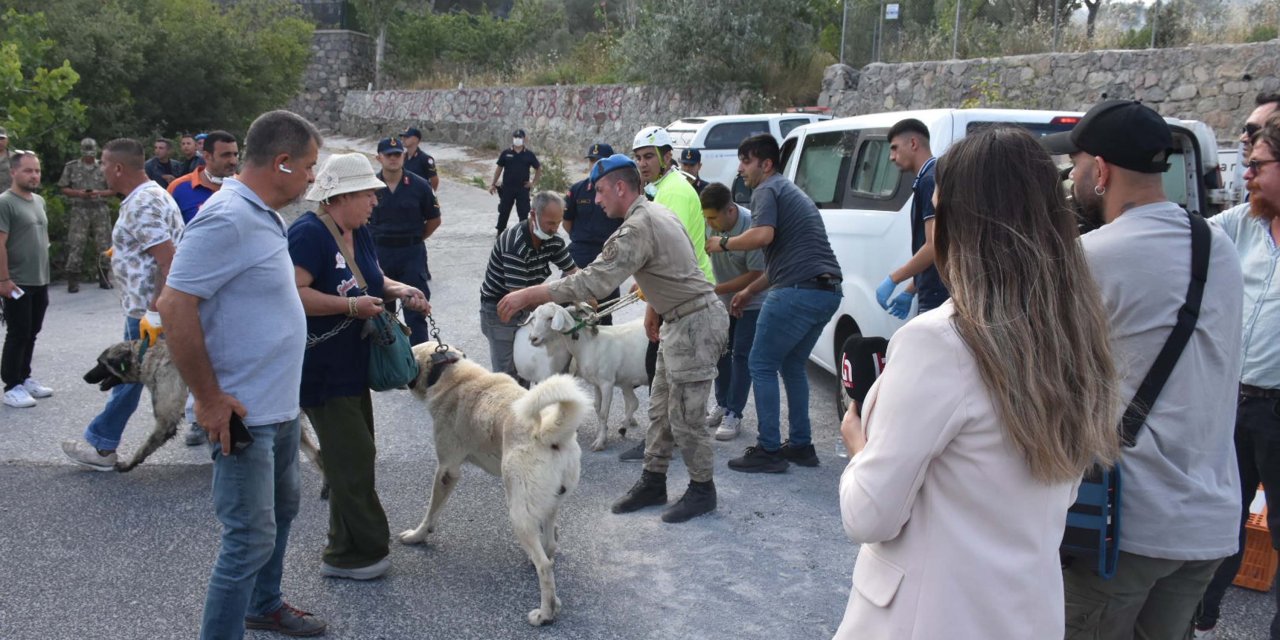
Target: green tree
point(37, 107)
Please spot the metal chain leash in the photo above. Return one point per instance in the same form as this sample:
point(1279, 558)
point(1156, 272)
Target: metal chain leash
point(441, 347)
point(313, 340)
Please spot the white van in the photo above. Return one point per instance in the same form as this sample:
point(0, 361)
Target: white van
point(718, 137)
point(865, 199)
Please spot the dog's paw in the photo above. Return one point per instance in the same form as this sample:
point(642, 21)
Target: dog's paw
point(598, 444)
point(538, 618)
point(411, 536)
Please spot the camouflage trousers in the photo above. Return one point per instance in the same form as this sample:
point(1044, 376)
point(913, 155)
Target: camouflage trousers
point(682, 379)
point(80, 223)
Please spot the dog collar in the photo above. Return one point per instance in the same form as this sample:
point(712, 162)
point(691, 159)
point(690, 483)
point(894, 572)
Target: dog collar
point(439, 362)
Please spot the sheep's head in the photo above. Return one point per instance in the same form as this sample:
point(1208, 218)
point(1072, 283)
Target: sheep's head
point(549, 322)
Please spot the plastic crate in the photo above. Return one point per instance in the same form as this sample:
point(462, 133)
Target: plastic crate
point(1258, 568)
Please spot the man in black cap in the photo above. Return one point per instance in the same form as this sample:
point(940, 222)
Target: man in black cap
point(418, 161)
point(691, 165)
point(406, 215)
point(513, 169)
point(1179, 486)
point(588, 224)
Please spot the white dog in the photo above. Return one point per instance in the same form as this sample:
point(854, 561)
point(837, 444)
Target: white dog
point(606, 357)
point(529, 438)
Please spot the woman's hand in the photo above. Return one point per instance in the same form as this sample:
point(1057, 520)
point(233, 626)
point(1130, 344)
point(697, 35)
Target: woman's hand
point(415, 300)
point(851, 430)
point(368, 307)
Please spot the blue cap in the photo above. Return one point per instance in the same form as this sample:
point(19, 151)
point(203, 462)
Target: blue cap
point(199, 137)
point(612, 163)
point(690, 156)
point(390, 145)
point(412, 132)
point(599, 150)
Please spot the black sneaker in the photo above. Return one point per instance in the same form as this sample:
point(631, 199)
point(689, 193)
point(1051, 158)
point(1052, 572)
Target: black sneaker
point(803, 455)
point(757, 460)
point(634, 454)
point(289, 620)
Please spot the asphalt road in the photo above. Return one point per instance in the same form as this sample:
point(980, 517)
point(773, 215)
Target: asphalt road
point(109, 555)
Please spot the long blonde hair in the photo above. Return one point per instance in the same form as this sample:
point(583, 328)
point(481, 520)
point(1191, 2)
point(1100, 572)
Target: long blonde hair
point(1025, 303)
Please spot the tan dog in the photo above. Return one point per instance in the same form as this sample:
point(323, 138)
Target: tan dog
point(530, 438)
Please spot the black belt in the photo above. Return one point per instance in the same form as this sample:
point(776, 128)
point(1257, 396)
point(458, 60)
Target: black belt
point(1250, 391)
point(397, 241)
point(823, 282)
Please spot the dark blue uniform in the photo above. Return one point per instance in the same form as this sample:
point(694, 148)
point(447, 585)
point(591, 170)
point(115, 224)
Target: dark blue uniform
point(421, 163)
point(591, 227)
point(930, 292)
point(516, 166)
point(398, 224)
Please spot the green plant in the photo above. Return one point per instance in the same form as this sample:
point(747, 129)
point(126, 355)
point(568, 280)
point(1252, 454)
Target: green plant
point(479, 182)
point(36, 102)
point(554, 175)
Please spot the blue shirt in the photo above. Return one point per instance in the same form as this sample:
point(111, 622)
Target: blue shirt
point(338, 366)
point(234, 256)
point(405, 211)
point(190, 193)
point(591, 225)
point(1259, 258)
point(515, 167)
point(800, 249)
point(929, 288)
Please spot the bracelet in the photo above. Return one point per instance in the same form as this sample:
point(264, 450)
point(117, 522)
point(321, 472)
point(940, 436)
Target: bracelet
point(724, 242)
point(351, 307)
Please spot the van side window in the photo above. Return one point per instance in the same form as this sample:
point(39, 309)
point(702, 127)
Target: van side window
point(785, 126)
point(729, 135)
point(874, 175)
point(823, 163)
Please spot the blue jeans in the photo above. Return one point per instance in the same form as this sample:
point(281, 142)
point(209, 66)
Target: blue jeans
point(733, 383)
point(255, 495)
point(105, 429)
point(789, 325)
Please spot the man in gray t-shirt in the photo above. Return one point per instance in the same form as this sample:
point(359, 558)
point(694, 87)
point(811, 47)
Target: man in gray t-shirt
point(803, 279)
point(237, 332)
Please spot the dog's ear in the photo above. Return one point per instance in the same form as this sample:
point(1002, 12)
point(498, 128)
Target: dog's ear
point(120, 361)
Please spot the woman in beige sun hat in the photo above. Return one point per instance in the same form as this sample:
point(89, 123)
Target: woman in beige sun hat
point(335, 390)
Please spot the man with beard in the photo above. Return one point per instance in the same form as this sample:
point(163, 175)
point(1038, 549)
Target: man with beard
point(1255, 228)
point(221, 157)
point(1179, 486)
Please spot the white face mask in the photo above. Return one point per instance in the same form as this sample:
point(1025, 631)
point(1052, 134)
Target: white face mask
point(537, 229)
point(651, 190)
point(212, 178)
point(517, 142)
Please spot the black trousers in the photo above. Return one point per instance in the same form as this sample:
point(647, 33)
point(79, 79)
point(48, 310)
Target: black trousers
point(508, 196)
point(1258, 454)
point(24, 318)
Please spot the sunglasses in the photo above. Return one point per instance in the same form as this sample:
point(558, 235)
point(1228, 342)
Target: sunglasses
point(1250, 130)
point(1256, 165)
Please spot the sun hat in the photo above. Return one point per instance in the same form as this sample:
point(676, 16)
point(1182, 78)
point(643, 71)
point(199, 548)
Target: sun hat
point(343, 173)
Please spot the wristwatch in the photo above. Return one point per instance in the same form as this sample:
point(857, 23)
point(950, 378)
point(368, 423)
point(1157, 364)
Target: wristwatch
point(724, 243)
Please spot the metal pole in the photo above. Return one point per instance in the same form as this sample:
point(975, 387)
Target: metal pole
point(955, 34)
point(1056, 12)
point(1155, 22)
point(844, 21)
point(880, 31)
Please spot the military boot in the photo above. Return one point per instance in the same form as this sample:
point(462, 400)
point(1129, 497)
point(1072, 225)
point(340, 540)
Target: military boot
point(698, 499)
point(73, 285)
point(650, 490)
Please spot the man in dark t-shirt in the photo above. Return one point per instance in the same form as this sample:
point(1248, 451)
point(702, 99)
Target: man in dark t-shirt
point(513, 169)
point(909, 149)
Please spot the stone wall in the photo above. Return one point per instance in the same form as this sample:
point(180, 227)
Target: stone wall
point(1215, 84)
point(561, 119)
point(341, 61)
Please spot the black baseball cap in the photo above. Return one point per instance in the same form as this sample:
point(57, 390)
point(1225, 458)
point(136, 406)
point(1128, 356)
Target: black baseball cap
point(412, 132)
point(518, 133)
point(1125, 133)
point(389, 146)
point(690, 156)
point(599, 150)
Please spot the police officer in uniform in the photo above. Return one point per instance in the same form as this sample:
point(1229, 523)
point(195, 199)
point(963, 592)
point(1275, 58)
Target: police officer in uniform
point(418, 161)
point(588, 225)
point(513, 169)
point(691, 165)
point(82, 182)
point(406, 215)
point(653, 246)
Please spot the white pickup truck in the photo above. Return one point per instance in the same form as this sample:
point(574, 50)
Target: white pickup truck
point(718, 137)
point(864, 198)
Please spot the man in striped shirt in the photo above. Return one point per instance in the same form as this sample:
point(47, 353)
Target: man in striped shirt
point(520, 259)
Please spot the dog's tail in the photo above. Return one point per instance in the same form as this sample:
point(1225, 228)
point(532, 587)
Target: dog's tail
point(562, 392)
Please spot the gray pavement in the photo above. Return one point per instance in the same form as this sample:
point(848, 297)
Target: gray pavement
point(113, 555)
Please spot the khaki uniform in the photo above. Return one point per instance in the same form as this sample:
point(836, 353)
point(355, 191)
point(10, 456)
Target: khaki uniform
point(652, 245)
point(86, 215)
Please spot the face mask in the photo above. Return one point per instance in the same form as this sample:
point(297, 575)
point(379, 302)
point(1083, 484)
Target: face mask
point(651, 190)
point(537, 230)
point(212, 178)
point(517, 142)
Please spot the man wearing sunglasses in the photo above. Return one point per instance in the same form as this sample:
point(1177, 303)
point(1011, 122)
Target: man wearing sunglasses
point(1267, 104)
point(1254, 227)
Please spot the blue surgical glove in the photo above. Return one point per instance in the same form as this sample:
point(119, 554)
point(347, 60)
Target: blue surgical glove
point(884, 291)
point(902, 305)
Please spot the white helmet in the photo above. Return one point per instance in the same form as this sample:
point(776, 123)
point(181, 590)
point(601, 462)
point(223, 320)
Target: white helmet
point(652, 137)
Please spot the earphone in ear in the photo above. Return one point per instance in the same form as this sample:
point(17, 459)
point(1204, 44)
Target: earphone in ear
point(285, 169)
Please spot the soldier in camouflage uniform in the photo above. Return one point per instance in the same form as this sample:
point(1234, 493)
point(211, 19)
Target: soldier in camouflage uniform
point(83, 184)
point(5, 178)
point(652, 245)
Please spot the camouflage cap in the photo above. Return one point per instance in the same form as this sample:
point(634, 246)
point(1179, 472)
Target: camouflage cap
point(3, 133)
point(89, 147)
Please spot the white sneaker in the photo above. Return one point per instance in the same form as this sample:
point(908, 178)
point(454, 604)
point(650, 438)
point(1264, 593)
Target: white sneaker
point(88, 457)
point(714, 416)
point(729, 428)
point(196, 436)
point(36, 389)
point(373, 571)
point(1205, 634)
point(19, 398)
